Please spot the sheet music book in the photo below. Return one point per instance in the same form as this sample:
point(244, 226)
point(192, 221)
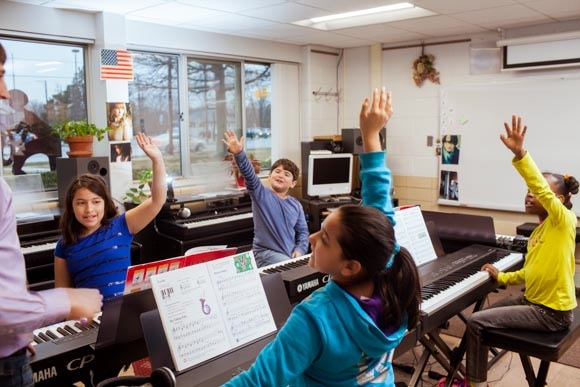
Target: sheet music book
point(211, 308)
point(411, 232)
point(138, 276)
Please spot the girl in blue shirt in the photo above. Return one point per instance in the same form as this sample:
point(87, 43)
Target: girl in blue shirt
point(345, 333)
point(95, 247)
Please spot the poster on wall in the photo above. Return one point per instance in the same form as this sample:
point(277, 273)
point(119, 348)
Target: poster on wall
point(450, 162)
point(120, 152)
point(119, 121)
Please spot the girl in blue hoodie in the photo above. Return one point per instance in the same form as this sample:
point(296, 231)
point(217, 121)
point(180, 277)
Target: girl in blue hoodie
point(345, 333)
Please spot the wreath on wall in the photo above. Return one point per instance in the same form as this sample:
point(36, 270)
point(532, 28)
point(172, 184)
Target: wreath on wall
point(424, 68)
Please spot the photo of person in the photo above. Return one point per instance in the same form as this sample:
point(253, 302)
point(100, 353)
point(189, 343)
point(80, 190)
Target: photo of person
point(449, 185)
point(121, 152)
point(119, 121)
point(450, 149)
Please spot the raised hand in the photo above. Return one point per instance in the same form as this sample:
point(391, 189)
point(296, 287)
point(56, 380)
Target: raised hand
point(234, 145)
point(514, 137)
point(146, 143)
point(373, 117)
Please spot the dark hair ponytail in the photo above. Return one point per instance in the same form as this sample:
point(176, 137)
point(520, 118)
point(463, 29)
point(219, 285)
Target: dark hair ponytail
point(400, 288)
point(368, 236)
point(566, 185)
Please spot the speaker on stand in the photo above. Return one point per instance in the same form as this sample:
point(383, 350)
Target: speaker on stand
point(67, 169)
point(352, 140)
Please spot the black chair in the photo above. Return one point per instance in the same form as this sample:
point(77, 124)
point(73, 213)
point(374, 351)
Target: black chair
point(546, 346)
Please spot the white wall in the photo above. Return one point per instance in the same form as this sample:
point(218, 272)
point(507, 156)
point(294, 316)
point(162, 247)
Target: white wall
point(22, 18)
point(416, 109)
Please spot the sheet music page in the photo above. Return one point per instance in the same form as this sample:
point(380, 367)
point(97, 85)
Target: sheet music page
point(211, 308)
point(411, 232)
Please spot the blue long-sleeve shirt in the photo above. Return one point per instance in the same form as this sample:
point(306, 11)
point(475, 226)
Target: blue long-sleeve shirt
point(279, 224)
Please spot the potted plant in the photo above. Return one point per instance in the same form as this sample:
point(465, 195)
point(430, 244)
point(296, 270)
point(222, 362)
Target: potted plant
point(79, 135)
point(235, 171)
point(136, 195)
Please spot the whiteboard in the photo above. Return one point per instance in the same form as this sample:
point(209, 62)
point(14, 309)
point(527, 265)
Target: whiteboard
point(476, 113)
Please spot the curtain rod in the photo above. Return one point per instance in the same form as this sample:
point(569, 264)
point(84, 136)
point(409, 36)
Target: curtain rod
point(427, 44)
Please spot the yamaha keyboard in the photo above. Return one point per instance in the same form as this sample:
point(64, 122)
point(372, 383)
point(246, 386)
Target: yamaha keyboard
point(299, 279)
point(64, 353)
point(199, 225)
point(453, 282)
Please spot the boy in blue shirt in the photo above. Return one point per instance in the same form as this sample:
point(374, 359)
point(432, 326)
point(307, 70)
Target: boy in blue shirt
point(280, 229)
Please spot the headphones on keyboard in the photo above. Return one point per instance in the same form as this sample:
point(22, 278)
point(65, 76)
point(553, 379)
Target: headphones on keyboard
point(160, 377)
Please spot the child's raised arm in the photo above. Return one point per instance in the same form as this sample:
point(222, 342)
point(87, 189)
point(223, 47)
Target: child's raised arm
point(373, 117)
point(140, 216)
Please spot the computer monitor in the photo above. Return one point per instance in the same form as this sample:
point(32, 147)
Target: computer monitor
point(329, 174)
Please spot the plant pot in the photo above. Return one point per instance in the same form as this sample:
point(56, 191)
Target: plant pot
point(81, 146)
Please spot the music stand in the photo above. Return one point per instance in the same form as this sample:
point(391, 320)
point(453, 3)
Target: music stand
point(120, 339)
point(219, 369)
point(457, 231)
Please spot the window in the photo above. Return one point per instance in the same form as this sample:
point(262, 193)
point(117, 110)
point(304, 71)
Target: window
point(154, 99)
point(214, 103)
point(221, 95)
point(257, 86)
point(46, 82)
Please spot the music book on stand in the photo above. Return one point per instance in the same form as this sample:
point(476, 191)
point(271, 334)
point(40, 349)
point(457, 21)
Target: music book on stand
point(138, 276)
point(211, 308)
point(411, 232)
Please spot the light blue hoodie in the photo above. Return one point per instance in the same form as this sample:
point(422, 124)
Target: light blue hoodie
point(329, 340)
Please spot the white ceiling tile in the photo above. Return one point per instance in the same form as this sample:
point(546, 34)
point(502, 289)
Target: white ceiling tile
point(382, 33)
point(176, 13)
point(269, 19)
point(459, 6)
point(286, 12)
point(556, 8)
point(509, 16)
point(231, 6)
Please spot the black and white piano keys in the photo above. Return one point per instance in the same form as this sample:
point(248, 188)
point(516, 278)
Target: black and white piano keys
point(64, 353)
point(451, 284)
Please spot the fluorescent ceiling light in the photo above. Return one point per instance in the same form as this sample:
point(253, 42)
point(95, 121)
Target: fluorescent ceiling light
point(389, 13)
point(362, 12)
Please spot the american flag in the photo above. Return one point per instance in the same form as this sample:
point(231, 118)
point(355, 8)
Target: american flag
point(116, 64)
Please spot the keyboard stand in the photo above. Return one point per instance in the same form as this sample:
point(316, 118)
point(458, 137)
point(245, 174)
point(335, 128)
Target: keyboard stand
point(450, 359)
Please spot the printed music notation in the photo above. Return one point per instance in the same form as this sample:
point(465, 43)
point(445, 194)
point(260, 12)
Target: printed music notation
point(211, 308)
point(411, 232)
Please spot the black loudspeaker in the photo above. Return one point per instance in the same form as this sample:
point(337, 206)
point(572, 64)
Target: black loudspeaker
point(160, 377)
point(69, 168)
point(352, 140)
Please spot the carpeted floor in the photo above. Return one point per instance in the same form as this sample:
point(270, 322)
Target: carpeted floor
point(457, 327)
